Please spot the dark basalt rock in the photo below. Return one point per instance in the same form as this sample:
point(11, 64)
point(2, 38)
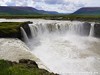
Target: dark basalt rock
point(11, 34)
point(27, 28)
point(30, 63)
point(86, 27)
point(97, 30)
point(23, 61)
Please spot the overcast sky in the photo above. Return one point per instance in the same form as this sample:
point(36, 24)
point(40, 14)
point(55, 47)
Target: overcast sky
point(64, 6)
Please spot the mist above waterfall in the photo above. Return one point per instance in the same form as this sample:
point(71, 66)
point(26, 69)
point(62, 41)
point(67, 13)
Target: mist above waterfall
point(66, 47)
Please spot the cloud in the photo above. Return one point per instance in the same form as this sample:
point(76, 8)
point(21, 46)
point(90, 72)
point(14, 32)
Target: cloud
point(65, 5)
point(52, 5)
point(2, 2)
point(55, 1)
point(59, 5)
point(17, 2)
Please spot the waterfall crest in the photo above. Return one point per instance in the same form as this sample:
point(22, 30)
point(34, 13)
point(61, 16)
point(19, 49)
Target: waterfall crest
point(74, 28)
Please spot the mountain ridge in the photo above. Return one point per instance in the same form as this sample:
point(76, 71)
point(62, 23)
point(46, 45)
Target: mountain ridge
point(23, 10)
point(88, 11)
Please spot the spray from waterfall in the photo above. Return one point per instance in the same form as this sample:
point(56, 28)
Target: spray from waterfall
point(25, 37)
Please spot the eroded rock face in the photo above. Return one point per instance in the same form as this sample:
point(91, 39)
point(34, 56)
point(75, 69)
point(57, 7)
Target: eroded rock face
point(86, 27)
point(26, 28)
point(97, 30)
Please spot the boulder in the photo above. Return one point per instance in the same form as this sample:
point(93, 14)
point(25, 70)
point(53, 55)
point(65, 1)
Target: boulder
point(30, 63)
point(86, 28)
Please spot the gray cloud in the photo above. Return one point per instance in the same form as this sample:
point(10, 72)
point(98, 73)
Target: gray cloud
point(10, 3)
point(54, 1)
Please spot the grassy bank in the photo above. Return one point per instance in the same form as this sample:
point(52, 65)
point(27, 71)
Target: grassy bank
point(11, 29)
point(24, 67)
point(95, 18)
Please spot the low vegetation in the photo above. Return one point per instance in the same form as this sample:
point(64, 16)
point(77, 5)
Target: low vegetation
point(11, 29)
point(27, 67)
point(56, 17)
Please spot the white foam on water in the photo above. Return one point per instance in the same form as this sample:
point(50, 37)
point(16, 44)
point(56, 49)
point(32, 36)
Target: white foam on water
point(69, 54)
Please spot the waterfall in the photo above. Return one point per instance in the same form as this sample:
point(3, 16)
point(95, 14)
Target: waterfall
point(33, 30)
point(57, 28)
point(25, 37)
point(64, 46)
point(92, 30)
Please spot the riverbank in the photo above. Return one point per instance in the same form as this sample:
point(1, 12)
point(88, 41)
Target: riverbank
point(71, 17)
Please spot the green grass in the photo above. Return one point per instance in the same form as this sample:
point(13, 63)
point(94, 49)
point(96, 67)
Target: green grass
point(9, 68)
point(56, 17)
point(9, 27)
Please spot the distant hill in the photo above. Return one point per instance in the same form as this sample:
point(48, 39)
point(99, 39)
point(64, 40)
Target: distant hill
point(17, 10)
point(88, 11)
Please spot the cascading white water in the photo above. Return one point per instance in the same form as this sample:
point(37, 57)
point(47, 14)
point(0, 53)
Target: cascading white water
point(33, 30)
point(57, 28)
point(60, 46)
point(25, 37)
point(92, 30)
